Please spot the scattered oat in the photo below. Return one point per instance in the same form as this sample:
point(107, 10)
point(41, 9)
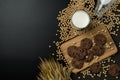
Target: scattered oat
point(105, 75)
point(111, 43)
point(49, 46)
point(117, 77)
point(105, 31)
point(79, 77)
point(102, 30)
point(53, 41)
point(53, 54)
point(112, 48)
point(56, 34)
point(74, 42)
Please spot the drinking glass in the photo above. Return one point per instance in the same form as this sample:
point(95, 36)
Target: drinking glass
point(102, 6)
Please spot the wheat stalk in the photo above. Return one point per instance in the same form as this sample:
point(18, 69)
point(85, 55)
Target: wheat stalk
point(53, 70)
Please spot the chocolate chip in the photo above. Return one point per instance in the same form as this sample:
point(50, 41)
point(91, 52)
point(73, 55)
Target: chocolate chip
point(100, 39)
point(95, 68)
point(77, 63)
point(114, 70)
point(98, 50)
point(86, 43)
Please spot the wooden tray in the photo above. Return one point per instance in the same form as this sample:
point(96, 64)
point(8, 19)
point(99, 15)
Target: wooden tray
point(110, 46)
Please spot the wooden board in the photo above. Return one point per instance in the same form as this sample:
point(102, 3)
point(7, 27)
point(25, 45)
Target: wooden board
point(76, 42)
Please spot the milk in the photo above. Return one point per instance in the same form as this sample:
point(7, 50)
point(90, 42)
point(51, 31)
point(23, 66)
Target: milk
point(80, 19)
point(104, 2)
point(102, 7)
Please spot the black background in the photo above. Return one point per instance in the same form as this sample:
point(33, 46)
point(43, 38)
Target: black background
point(27, 27)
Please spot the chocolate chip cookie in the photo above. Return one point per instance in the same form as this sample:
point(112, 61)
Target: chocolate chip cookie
point(86, 43)
point(72, 51)
point(95, 68)
point(77, 63)
point(98, 50)
point(100, 39)
point(114, 70)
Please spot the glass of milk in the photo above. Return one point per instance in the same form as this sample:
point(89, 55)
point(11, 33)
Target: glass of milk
point(80, 19)
point(102, 6)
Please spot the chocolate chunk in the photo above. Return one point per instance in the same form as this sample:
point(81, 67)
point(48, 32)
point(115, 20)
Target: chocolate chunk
point(77, 63)
point(114, 70)
point(86, 43)
point(95, 68)
point(100, 39)
point(76, 52)
point(90, 56)
point(72, 51)
point(98, 50)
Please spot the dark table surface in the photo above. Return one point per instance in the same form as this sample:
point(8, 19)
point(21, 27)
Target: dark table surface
point(27, 27)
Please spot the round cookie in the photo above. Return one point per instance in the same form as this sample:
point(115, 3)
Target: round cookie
point(77, 63)
point(114, 70)
point(100, 39)
point(72, 51)
point(98, 50)
point(86, 43)
point(95, 68)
